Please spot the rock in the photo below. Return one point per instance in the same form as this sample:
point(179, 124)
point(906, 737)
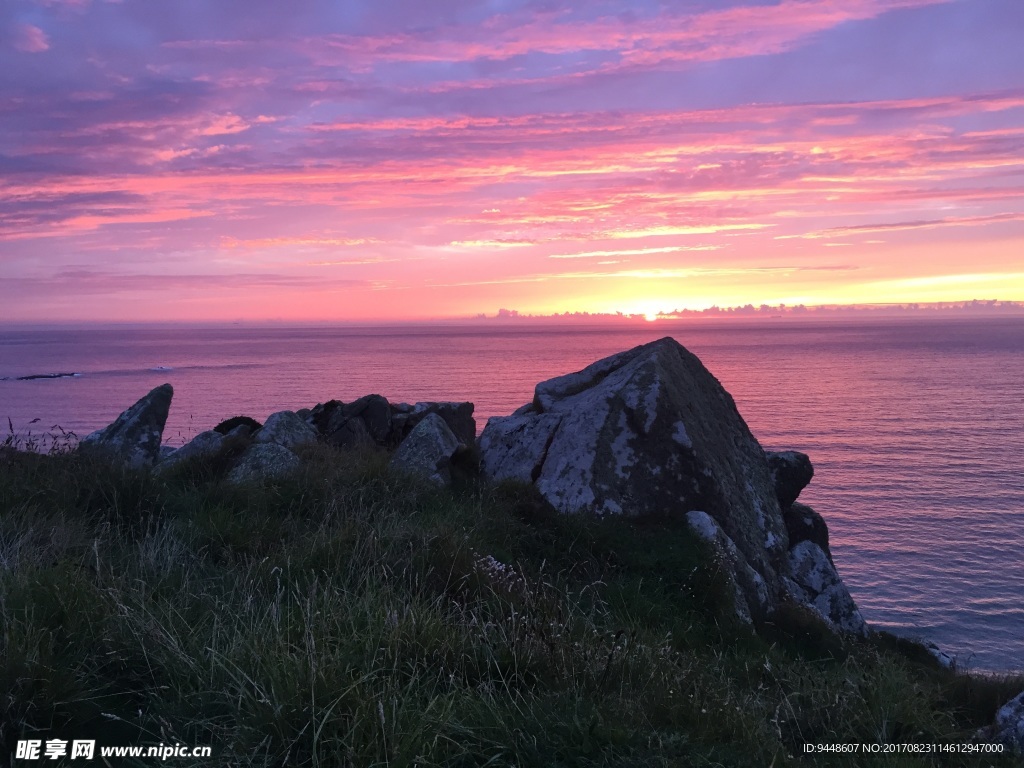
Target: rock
point(134, 437)
point(351, 434)
point(234, 422)
point(791, 472)
point(804, 524)
point(205, 445)
point(165, 452)
point(427, 451)
point(320, 415)
point(1009, 725)
point(746, 582)
point(814, 581)
point(514, 447)
point(458, 417)
point(285, 428)
point(944, 659)
point(264, 461)
point(375, 414)
point(646, 432)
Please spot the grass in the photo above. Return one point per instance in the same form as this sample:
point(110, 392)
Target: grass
point(352, 617)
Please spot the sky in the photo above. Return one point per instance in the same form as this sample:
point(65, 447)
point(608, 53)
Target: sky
point(399, 160)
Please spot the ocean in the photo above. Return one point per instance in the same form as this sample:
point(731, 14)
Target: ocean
point(915, 427)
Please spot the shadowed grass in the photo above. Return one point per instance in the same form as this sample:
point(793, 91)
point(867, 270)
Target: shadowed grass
point(351, 617)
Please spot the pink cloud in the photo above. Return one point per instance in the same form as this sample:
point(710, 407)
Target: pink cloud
point(29, 38)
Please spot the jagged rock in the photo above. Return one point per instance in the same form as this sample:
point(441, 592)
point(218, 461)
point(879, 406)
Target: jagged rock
point(205, 444)
point(285, 428)
point(791, 472)
point(375, 414)
point(263, 461)
point(646, 432)
point(320, 415)
point(804, 524)
point(166, 451)
point(944, 659)
point(428, 450)
point(514, 447)
point(747, 583)
point(134, 437)
point(813, 581)
point(351, 434)
point(229, 425)
point(458, 417)
point(1009, 725)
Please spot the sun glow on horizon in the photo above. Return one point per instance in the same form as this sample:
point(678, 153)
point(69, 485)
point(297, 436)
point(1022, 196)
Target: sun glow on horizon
point(566, 160)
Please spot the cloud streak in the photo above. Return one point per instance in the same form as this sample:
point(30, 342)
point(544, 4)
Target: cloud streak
point(460, 158)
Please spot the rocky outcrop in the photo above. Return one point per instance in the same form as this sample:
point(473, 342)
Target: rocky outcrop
point(813, 581)
point(428, 451)
point(804, 524)
point(264, 461)
point(1009, 726)
point(458, 417)
point(230, 425)
point(373, 421)
point(134, 437)
point(791, 472)
point(750, 594)
point(646, 432)
point(286, 429)
point(650, 432)
point(204, 445)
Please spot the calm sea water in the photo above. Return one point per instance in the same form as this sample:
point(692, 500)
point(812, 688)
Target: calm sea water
point(916, 429)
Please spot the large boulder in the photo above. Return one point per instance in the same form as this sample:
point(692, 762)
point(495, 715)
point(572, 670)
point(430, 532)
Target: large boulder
point(286, 429)
point(458, 416)
point(264, 461)
point(750, 593)
point(1009, 725)
point(791, 472)
point(134, 437)
point(804, 524)
point(428, 451)
point(375, 413)
point(204, 445)
point(646, 432)
point(813, 581)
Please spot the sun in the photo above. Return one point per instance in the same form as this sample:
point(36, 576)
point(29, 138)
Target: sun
point(650, 317)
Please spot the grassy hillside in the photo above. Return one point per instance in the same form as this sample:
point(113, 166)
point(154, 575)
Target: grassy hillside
point(351, 617)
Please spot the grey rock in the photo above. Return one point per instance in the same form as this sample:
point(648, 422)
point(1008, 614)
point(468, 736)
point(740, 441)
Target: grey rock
point(134, 437)
point(230, 425)
point(375, 413)
point(1009, 725)
point(165, 452)
point(264, 461)
point(791, 472)
point(458, 417)
point(804, 524)
point(944, 659)
point(428, 450)
point(650, 432)
point(320, 415)
point(814, 581)
point(350, 434)
point(747, 583)
point(514, 447)
point(205, 445)
point(285, 428)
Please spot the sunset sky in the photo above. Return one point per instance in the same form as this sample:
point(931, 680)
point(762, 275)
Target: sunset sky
point(402, 159)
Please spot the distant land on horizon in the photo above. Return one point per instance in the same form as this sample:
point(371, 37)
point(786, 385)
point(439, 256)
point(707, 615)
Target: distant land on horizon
point(975, 308)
